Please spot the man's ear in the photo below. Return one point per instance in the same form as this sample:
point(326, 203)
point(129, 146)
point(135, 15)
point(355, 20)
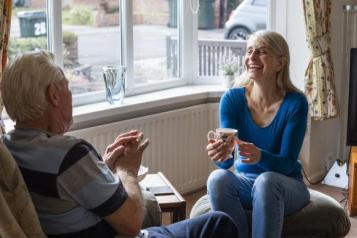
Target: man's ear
point(53, 95)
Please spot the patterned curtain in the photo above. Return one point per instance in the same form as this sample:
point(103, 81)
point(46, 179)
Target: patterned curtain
point(5, 20)
point(319, 75)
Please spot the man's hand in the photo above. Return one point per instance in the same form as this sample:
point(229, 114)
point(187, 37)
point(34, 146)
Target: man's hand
point(219, 150)
point(117, 148)
point(130, 159)
point(127, 220)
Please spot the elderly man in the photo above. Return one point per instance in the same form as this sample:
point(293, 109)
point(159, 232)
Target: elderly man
point(75, 191)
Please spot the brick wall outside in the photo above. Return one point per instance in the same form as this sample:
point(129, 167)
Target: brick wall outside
point(145, 11)
point(93, 3)
point(37, 3)
point(150, 12)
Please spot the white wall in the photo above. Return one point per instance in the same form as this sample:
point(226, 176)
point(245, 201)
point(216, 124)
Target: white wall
point(325, 140)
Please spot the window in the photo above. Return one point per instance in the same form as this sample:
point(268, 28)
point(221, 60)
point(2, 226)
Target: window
point(221, 39)
point(150, 37)
point(91, 40)
point(28, 30)
point(155, 38)
point(94, 34)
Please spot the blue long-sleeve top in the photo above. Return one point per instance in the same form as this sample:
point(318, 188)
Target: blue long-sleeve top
point(280, 142)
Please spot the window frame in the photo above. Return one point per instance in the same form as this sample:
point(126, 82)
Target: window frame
point(128, 56)
point(188, 44)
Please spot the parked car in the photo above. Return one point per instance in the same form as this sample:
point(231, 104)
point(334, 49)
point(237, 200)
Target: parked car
point(248, 17)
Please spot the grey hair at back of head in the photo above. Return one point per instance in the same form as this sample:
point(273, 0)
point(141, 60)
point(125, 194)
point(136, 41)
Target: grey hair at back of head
point(25, 82)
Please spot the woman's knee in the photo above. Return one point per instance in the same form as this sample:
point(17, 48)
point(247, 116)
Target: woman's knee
point(219, 179)
point(267, 181)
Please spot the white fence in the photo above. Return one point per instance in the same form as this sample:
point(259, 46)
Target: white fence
point(211, 55)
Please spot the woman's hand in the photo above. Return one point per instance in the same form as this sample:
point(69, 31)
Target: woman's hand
point(248, 150)
point(219, 150)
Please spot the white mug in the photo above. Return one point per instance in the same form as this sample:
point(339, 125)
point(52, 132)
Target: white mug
point(221, 133)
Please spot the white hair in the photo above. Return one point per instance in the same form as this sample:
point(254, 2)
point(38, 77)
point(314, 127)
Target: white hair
point(25, 82)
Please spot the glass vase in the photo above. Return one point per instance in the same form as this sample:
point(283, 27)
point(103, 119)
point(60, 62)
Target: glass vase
point(114, 79)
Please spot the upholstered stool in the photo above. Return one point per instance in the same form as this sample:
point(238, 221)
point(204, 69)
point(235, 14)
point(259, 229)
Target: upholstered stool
point(152, 211)
point(322, 217)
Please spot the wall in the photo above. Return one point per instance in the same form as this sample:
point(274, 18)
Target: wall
point(144, 12)
point(93, 3)
point(325, 140)
point(151, 12)
point(177, 142)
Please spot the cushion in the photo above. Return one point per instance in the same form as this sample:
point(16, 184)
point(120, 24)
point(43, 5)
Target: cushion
point(18, 215)
point(152, 211)
point(322, 217)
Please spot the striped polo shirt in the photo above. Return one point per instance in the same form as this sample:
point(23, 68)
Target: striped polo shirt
point(70, 185)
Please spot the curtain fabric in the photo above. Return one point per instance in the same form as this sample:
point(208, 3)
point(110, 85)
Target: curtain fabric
point(5, 20)
point(319, 75)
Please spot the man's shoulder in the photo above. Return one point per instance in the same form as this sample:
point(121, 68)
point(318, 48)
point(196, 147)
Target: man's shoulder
point(65, 140)
point(41, 151)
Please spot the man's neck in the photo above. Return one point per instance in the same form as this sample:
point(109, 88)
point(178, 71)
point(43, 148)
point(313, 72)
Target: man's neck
point(35, 124)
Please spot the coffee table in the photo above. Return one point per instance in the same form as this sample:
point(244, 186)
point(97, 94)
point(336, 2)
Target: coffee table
point(172, 201)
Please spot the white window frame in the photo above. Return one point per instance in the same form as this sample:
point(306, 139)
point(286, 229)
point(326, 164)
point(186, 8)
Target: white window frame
point(188, 45)
point(127, 23)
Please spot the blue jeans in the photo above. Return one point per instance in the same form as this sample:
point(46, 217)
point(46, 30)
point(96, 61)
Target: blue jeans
point(210, 225)
point(270, 196)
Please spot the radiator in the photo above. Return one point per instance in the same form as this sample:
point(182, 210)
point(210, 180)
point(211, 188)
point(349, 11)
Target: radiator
point(177, 142)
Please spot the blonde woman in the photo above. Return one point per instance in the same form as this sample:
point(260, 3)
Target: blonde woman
point(270, 115)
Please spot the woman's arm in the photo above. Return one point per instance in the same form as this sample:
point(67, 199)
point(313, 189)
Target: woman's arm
point(293, 136)
point(228, 111)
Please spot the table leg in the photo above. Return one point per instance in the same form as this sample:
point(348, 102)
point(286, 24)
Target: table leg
point(179, 213)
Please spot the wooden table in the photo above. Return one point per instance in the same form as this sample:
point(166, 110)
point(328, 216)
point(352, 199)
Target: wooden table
point(352, 182)
point(172, 202)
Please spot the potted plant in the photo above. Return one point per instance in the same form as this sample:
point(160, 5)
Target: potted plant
point(229, 67)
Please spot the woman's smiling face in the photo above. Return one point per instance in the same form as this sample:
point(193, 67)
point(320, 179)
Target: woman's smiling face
point(260, 61)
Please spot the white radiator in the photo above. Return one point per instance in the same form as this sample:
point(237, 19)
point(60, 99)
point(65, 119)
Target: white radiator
point(177, 142)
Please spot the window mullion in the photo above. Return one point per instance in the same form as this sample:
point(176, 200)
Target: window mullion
point(127, 44)
point(54, 29)
point(189, 42)
point(277, 16)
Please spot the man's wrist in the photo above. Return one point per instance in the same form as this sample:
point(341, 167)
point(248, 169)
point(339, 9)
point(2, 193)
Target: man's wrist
point(127, 172)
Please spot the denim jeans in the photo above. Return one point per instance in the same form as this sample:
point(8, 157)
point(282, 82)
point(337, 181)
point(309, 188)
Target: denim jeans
point(270, 196)
point(210, 225)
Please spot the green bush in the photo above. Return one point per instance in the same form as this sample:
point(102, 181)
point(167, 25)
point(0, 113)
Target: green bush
point(20, 45)
point(78, 15)
point(69, 37)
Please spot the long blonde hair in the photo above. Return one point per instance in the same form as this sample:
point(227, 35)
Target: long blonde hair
point(279, 47)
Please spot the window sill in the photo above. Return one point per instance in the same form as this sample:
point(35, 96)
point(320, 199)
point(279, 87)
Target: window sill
point(141, 105)
point(145, 104)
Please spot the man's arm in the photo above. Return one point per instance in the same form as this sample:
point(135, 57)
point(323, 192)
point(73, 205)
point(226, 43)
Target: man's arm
point(127, 219)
